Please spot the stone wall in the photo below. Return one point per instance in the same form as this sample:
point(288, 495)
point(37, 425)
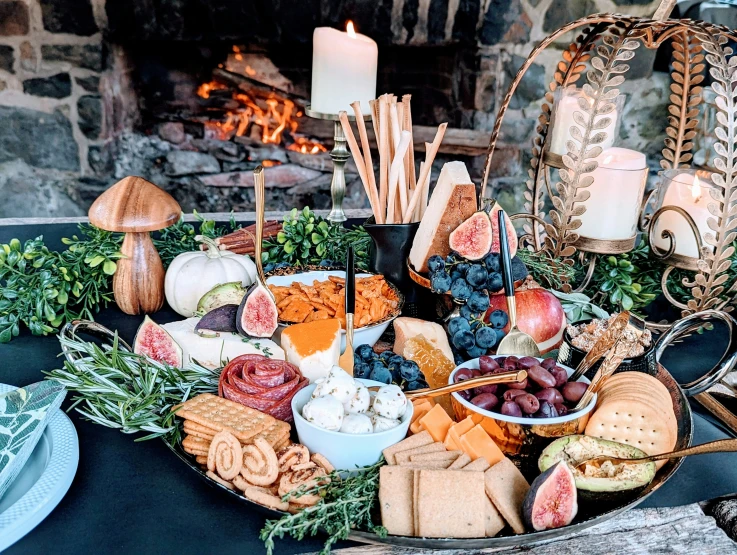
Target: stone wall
point(69, 122)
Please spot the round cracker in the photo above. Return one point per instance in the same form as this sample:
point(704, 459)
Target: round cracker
point(666, 414)
point(633, 423)
point(625, 392)
point(623, 389)
point(641, 380)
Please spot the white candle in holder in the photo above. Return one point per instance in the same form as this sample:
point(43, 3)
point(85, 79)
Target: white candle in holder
point(616, 194)
point(685, 189)
point(566, 105)
point(343, 70)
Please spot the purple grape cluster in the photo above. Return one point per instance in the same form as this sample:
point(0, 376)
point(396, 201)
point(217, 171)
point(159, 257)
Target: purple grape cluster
point(545, 393)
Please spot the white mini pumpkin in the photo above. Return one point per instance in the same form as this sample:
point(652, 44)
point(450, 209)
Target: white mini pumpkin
point(192, 274)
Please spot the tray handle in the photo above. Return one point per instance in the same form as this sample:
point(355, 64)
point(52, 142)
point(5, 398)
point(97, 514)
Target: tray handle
point(690, 324)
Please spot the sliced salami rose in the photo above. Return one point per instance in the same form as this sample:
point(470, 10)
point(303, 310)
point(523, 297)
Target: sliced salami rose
point(262, 383)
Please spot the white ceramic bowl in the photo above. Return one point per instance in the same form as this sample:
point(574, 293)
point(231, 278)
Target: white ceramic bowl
point(367, 335)
point(473, 364)
point(346, 451)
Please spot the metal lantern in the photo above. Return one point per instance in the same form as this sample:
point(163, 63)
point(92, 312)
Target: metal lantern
point(596, 63)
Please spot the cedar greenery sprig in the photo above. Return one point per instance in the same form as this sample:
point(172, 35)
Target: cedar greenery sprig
point(346, 505)
point(133, 393)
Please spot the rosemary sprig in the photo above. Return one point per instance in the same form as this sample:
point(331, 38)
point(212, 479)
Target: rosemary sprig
point(119, 389)
point(345, 505)
point(547, 272)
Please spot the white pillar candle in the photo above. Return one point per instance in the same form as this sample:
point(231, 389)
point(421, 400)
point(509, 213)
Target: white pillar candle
point(343, 70)
point(565, 107)
point(616, 194)
point(686, 191)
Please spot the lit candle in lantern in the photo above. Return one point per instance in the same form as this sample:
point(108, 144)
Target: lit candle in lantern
point(616, 194)
point(686, 190)
point(567, 105)
point(343, 70)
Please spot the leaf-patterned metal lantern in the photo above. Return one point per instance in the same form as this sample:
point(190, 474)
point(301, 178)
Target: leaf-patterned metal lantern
point(597, 61)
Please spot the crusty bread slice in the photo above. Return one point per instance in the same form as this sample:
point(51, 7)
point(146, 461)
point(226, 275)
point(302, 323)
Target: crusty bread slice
point(452, 202)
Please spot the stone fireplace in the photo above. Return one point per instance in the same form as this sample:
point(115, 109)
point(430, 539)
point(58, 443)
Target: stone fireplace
point(192, 94)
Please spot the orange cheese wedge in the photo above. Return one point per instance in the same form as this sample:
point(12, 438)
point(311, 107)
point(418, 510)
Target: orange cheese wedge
point(437, 423)
point(421, 409)
point(476, 443)
point(452, 440)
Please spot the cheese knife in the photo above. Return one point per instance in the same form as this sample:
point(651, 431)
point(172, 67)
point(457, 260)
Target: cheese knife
point(346, 359)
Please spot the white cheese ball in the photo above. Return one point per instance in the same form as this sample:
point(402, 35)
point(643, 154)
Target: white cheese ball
point(319, 390)
point(360, 402)
point(390, 402)
point(324, 412)
point(339, 384)
point(382, 424)
point(356, 424)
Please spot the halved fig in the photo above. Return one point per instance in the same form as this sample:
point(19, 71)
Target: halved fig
point(257, 315)
point(472, 239)
point(219, 319)
point(552, 501)
point(155, 342)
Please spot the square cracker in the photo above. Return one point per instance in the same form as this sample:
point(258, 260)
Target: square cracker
point(274, 433)
point(404, 456)
point(196, 430)
point(417, 440)
point(222, 414)
point(415, 490)
point(493, 520)
point(449, 456)
point(480, 465)
point(507, 488)
point(426, 465)
point(450, 504)
point(460, 462)
point(396, 486)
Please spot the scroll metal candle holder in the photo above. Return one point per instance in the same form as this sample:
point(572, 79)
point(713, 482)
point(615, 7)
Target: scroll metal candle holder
point(339, 155)
point(596, 61)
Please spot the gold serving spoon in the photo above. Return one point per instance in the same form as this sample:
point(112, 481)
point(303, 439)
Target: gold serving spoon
point(489, 379)
point(259, 186)
point(721, 446)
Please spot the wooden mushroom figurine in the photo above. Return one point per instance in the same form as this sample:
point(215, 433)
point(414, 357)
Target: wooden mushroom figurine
point(136, 207)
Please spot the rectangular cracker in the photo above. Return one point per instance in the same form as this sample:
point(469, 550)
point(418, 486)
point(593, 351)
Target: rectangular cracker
point(274, 433)
point(507, 488)
point(460, 463)
point(195, 427)
point(201, 459)
point(429, 465)
point(436, 456)
point(403, 456)
point(417, 440)
point(222, 414)
point(451, 504)
point(415, 490)
point(480, 465)
point(396, 486)
point(493, 520)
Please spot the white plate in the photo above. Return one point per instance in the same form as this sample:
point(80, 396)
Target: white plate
point(43, 481)
point(365, 335)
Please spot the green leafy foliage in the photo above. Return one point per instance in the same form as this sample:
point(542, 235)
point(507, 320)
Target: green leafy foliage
point(42, 288)
point(180, 237)
point(133, 393)
point(346, 505)
point(546, 271)
point(307, 238)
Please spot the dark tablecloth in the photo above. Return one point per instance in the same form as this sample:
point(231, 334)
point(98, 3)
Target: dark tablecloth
point(137, 497)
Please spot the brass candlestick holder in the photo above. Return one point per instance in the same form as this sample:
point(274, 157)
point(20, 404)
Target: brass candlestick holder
point(597, 61)
point(339, 155)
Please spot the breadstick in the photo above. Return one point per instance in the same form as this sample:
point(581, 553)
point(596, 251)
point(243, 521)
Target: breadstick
point(358, 159)
point(425, 195)
point(423, 181)
point(411, 176)
point(394, 175)
point(396, 121)
point(384, 161)
point(369, 163)
point(374, 104)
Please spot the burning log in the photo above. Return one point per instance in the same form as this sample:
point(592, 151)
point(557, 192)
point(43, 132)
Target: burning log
point(250, 85)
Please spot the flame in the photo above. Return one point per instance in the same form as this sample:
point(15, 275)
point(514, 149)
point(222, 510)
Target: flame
point(350, 30)
point(696, 189)
point(270, 118)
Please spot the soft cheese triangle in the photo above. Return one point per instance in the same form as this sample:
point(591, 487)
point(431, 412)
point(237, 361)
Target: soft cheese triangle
point(406, 328)
point(452, 202)
point(313, 347)
point(214, 352)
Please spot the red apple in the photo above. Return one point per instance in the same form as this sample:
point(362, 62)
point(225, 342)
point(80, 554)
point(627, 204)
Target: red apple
point(539, 313)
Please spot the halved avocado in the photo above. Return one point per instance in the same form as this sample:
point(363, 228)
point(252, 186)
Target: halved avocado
point(625, 482)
